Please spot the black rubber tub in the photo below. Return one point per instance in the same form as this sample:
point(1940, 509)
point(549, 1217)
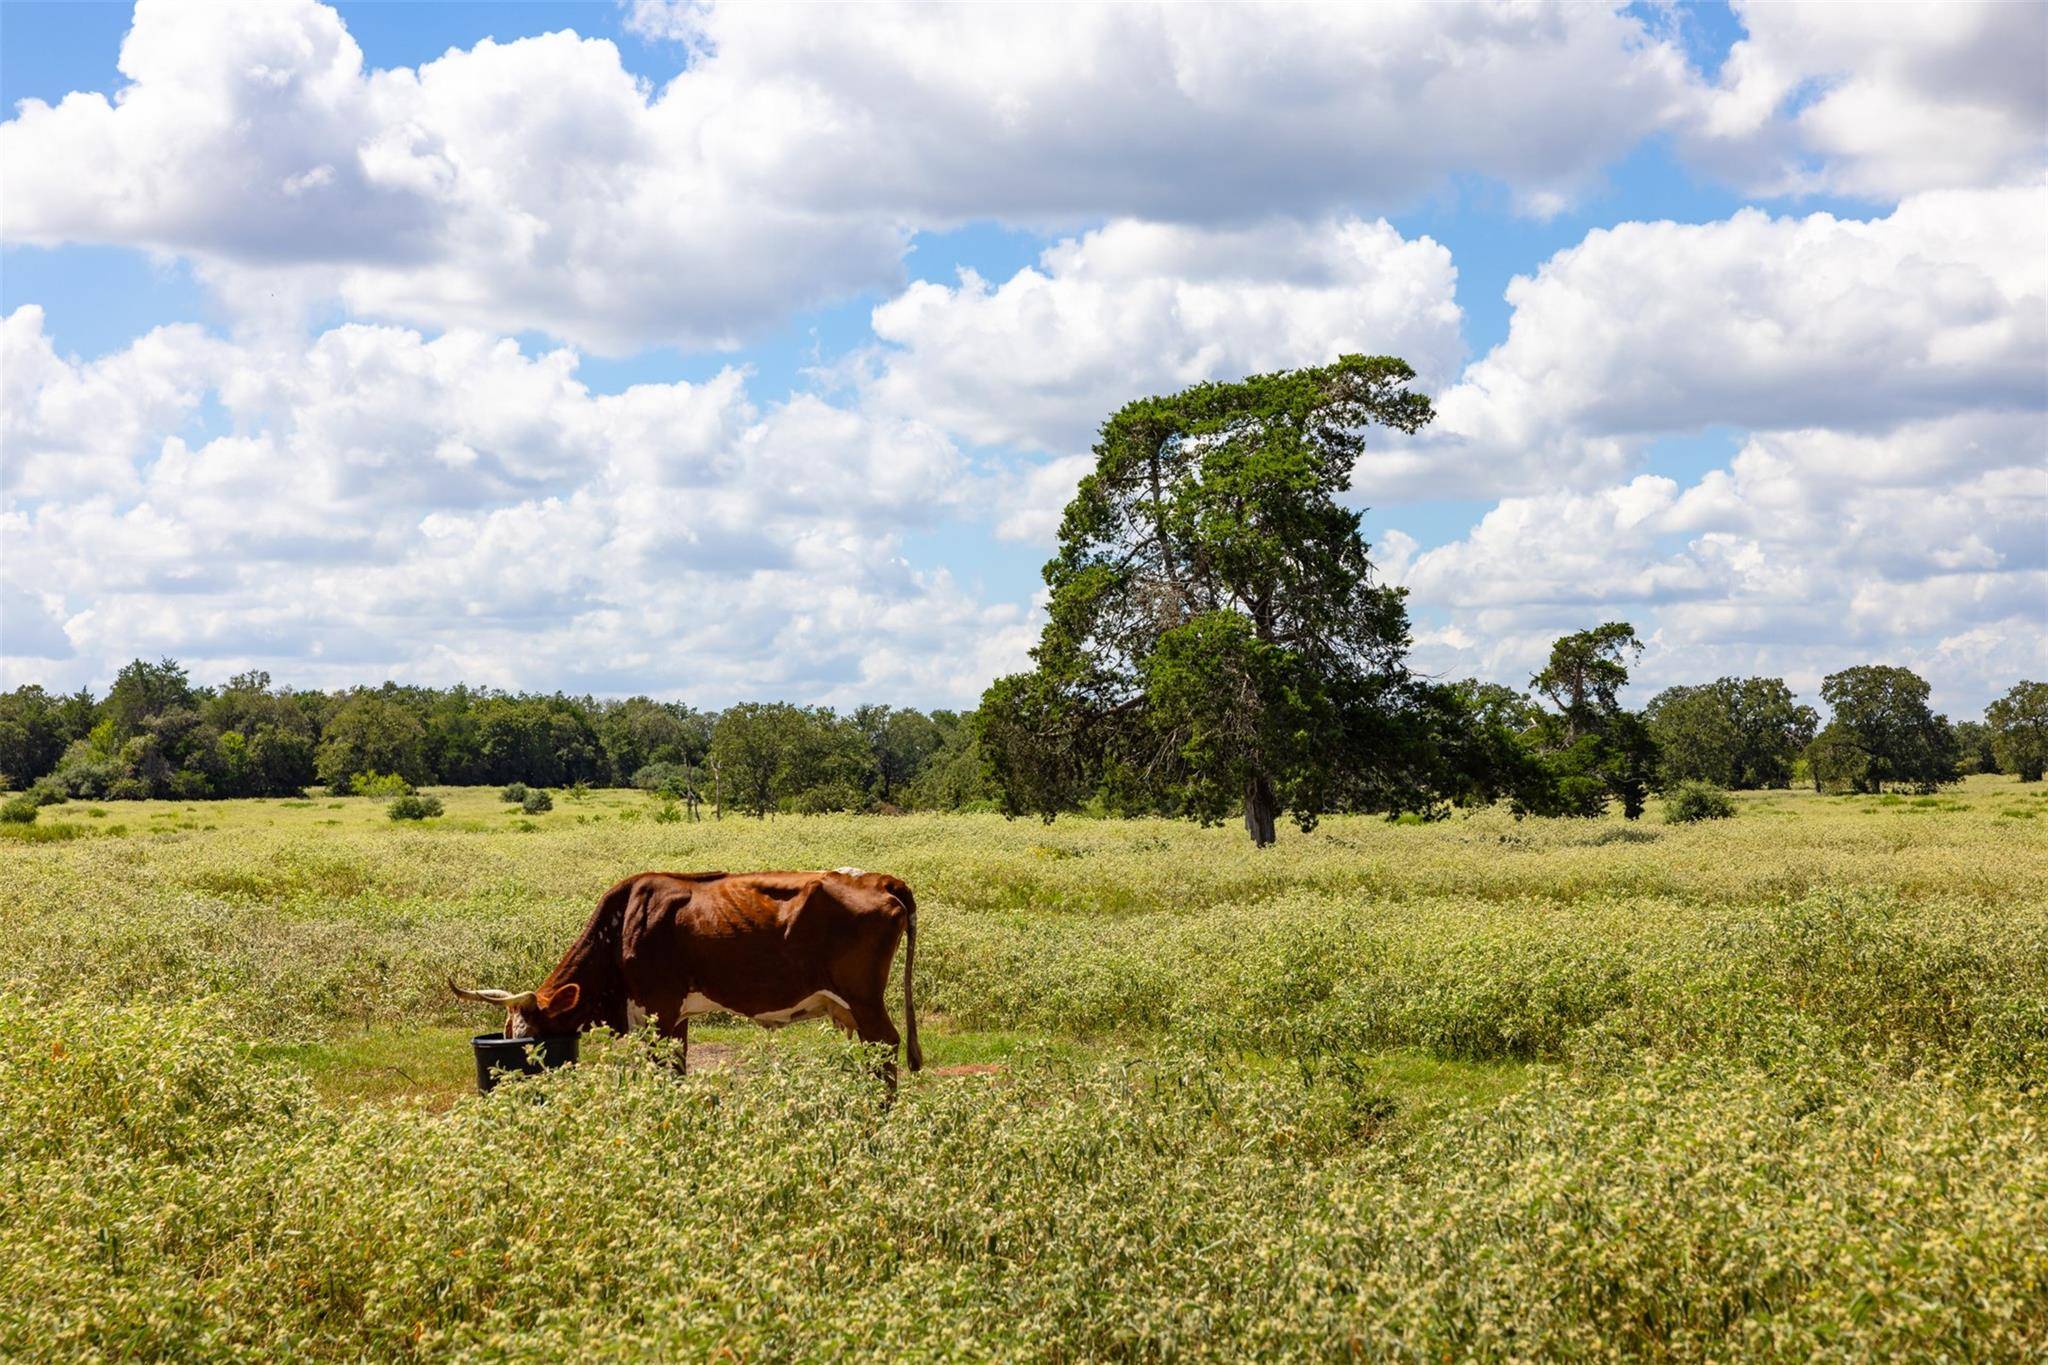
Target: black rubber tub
point(498, 1056)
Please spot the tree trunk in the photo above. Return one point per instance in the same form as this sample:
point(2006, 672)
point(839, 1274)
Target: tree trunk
point(1259, 809)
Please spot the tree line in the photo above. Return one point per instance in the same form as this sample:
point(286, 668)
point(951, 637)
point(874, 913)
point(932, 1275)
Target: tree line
point(1565, 746)
point(157, 735)
point(1216, 642)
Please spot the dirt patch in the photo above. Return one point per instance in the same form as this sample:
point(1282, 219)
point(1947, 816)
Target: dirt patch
point(711, 1056)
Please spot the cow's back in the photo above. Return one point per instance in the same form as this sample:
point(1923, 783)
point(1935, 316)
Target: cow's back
point(753, 942)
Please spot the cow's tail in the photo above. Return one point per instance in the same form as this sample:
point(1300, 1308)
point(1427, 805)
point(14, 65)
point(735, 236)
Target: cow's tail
point(911, 1051)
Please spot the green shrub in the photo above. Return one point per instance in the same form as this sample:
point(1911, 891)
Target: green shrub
point(826, 798)
point(668, 813)
point(414, 807)
point(1691, 801)
point(537, 801)
point(19, 810)
point(187, 785)
point(515, 792)
point(378, 786)
point(85, 771)
point(49, 792)
point(1146, 1209)
point(666, 779)
point(56, 832)
point(579, 790)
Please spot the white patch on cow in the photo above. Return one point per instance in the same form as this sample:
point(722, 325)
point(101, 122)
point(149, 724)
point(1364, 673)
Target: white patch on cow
point(635, 1016)
point(816, 1005)
point(851, 871)
point(696, 1002)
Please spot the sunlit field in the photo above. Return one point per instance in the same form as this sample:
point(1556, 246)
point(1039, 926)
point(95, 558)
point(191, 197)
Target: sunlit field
point(1768, 1087)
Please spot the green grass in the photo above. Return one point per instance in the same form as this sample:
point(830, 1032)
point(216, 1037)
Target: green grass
point(431, 1066)
point(43, 832)
point(1761, 1088)
point(428, 1065)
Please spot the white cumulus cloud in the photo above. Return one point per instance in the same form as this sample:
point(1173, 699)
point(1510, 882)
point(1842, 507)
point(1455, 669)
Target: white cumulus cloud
point(790, 163)
point(1880, 102)
point(1755, 321)
point(1774, 564)
point(1039, 360)
point(251, 138)
point(387, 504)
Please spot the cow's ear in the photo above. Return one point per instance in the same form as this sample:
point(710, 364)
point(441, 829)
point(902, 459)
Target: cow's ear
point(562, 999)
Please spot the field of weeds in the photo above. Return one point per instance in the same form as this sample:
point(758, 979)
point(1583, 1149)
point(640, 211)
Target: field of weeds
point(1764, 1088)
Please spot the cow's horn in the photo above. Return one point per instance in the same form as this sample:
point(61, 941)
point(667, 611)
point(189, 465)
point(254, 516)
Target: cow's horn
point(505, 998)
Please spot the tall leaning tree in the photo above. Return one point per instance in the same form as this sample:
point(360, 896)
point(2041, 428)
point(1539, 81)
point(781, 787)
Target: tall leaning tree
point(1217, 639)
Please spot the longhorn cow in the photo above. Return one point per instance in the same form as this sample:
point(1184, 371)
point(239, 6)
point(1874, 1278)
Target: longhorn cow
point(775, 947)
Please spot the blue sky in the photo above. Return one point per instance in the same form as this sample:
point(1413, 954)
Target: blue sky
point(725, 353)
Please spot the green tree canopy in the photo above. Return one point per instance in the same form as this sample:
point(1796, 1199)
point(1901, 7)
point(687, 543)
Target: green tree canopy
point(955, 776)
point(1585, 675)
point(1733, 732)
point(899, 742)
point(771, 755)
point(1835, 761)
point(35, 729)
point(371, 734)
point(1595, 748)
point(1481, 743)
point(2019, 730)
point(265, 743)
point(1974, 749)
point(640, 731)
point(543, 740)
point(1216, 636)
point(143, 691)
point(1882, 731)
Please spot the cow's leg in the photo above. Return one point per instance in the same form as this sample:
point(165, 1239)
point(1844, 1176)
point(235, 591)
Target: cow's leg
point(677, 1030)
point(872, 1024)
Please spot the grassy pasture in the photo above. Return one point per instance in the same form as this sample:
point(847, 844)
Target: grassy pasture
point(1771, 1087)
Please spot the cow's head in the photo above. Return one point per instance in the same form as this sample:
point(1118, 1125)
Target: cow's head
point(530, 1014)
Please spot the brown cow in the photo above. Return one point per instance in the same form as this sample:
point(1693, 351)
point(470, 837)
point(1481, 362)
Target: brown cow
point(775, 947)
